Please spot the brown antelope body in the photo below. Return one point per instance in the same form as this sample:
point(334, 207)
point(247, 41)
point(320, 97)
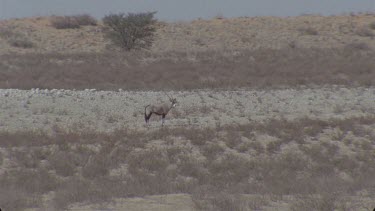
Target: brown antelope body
point(161, 110)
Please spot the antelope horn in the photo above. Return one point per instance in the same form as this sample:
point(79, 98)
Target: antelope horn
point(167, 95)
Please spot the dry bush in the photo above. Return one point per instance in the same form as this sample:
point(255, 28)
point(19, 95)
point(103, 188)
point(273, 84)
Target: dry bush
point(24, 160)
point(257, 147)
point(200, 136)
point(15, 38)
point(273, 147)
point(65, 22)
point(372, 25)
point(211, 150)
point(30, 181)
point(97, 166)
point(74, 190)
point(23, 139)
point(308, 31)
point(323, 202)
point(85, 162)
point(189, 166)
point(149, 173)
point(150, 161)
point(257, 202)
point(21, 42)
point(229, 170)
point(72, 22)
point(224, 201)
point(15, 199)
point(358, 46)
point(286, 131)
point(279, 175)
point(354, 124)
point(96, 191)
point(63, 163)
point(7, 32)
point(233, 139)
point(209, 198)
point(365, 32)
point(86, 20)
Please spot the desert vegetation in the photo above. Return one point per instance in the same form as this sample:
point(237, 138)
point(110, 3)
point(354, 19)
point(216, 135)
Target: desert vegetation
point(274, 113)
point(73, 22)
point(351, 66)
point(315, 164)
point(132, 31)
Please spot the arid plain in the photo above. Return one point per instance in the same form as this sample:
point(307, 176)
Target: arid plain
point(273, 114)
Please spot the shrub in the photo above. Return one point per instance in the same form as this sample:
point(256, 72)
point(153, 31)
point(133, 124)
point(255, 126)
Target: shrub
point(131, 31)
point(65, 22)
point(11, 199)
point(225, 201)
point(73, 22)
point(308, 31)
point(15, 38)
point(85, 20)
point(1, 159)
point(30, 181)
point(149, 161)
point(21, 42)
point(62, 163)
point(209, 198)
point(7, 32)
point(231, 169)
point(96, 167)
point(74, 190)
point(25, 160)
point(322, 202)
point(365, 32)
point(372, 25)
point(357, 46)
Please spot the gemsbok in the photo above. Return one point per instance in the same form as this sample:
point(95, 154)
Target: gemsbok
point(161, 110)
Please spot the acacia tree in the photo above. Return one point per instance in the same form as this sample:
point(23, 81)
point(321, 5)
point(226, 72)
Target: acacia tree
point(131, 31)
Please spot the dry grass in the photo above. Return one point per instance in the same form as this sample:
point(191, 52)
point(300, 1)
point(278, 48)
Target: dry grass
point(351, 66)
point(16, 38)
point(321, 164)
point(96, 167)
point(217, 34)
point(207, 198)
point(220, 61)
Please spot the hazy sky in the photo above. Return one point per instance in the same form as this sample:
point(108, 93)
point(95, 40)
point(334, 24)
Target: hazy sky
point(173, 10)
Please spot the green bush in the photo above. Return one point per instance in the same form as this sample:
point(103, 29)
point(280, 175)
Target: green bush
point(131, 31)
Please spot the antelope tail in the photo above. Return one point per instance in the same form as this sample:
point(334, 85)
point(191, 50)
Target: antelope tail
point(146, 117)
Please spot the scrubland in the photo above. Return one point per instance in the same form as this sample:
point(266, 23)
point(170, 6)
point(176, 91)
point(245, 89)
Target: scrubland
point(273, 114)
point(276, 164)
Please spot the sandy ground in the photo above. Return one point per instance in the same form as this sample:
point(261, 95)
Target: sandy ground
point(106, 110)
